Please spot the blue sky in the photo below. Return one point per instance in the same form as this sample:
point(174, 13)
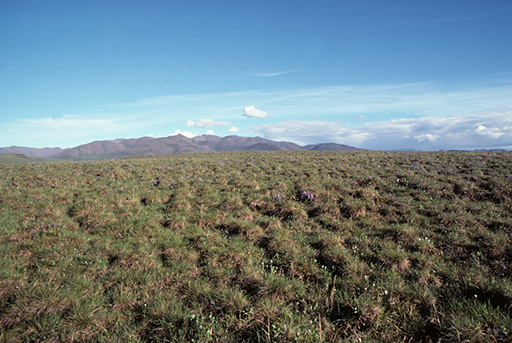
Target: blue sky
point(421, 75)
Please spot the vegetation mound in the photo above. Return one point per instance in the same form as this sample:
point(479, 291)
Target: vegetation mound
point(259, 247)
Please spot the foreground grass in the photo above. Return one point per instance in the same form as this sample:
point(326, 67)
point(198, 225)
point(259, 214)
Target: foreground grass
point(259, 247)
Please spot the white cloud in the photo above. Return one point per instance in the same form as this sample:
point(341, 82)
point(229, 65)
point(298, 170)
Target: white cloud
point(252, 112)
point(493, 132)
point(184, 133)
point(426, 137)
point(233, 129)
point(479, 130)
point(210, 132)
point(207, 123)
point(308, 132)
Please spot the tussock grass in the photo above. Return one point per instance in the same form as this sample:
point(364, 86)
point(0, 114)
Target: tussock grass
point(259, 247)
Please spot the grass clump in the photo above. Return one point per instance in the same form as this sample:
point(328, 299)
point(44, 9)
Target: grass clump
point(259, 247)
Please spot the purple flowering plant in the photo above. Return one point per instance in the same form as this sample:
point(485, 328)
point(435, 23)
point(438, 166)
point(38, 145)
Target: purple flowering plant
point(306, 195)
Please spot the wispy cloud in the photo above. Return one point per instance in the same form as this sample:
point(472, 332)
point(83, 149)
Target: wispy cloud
point(358, 112)
point(82, 126)
point(472, 18)
point(69, 130)
point(69, 123)
point(478, 130)
point(279, 73)
point(207, 123)
point(389, 100)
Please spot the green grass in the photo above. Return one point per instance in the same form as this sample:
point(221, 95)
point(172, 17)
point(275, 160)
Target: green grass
point(259, 247)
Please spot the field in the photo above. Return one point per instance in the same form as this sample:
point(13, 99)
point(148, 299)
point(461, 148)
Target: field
point(259, 247)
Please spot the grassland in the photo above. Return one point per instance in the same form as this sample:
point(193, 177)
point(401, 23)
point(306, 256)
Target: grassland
point(259, 247)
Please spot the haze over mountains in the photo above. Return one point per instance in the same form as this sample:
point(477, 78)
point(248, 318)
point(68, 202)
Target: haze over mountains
point(120, 148)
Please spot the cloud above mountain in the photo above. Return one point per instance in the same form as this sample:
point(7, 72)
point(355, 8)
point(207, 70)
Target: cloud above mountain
point(207, 123)
point(253, 112)
point(185, 133)
point(484, 129)
point(422, 115)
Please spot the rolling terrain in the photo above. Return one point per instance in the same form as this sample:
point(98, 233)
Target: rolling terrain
point(302, 246)
point(15, 158)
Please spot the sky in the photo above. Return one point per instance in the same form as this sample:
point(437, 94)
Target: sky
point(383, 75)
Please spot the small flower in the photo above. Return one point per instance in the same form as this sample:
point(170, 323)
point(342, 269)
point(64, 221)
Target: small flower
point(307, 195)
point(155, 182)
point(277, 197)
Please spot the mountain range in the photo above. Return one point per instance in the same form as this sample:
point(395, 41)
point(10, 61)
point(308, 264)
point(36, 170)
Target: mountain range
point(120, 148)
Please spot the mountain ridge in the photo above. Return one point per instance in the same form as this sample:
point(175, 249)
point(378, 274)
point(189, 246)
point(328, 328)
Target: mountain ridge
point(142, 146)
point(27, 151)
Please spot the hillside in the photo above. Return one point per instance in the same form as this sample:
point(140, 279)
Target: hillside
point(120, 148)
point(237, 143)
point(20, 159)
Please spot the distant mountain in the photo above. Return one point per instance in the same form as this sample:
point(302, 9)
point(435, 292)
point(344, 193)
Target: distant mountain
point(491, 150)
point(119, 148)
point(35, 152)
